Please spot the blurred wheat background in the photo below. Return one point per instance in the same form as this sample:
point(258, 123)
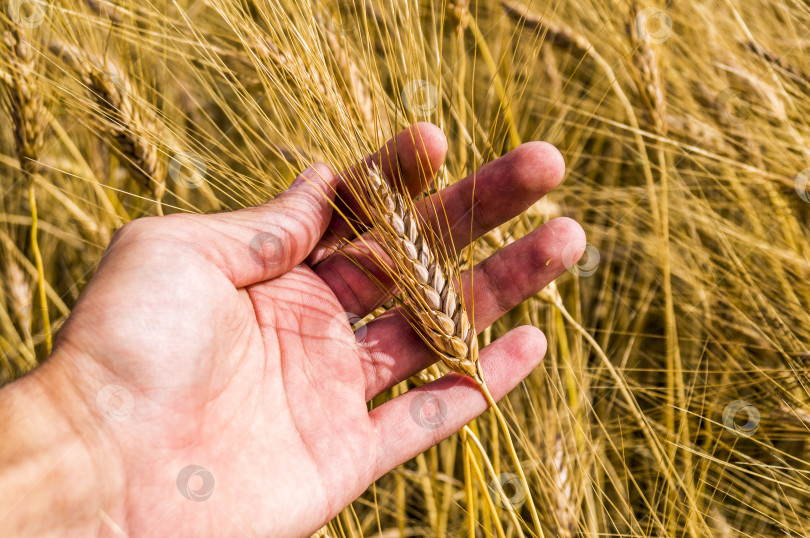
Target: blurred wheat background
point(674, 397)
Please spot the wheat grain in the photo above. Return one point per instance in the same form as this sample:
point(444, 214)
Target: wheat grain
point(438, 309)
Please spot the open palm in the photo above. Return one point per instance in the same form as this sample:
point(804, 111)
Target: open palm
point(217, 353)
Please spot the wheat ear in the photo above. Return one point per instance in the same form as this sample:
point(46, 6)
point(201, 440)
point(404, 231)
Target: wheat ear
point(648, 76)
point(441, 317)
point(25, 100)
point(128, 126)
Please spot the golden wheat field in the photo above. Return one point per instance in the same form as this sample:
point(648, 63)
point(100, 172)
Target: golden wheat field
point(674, 399)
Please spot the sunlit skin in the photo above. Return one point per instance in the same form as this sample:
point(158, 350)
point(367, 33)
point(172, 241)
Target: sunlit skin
point(238, 359)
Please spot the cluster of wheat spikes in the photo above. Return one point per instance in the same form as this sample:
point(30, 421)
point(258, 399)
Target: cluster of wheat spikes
point(673, 400)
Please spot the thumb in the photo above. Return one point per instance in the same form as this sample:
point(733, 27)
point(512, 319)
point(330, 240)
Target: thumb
point(262, 242)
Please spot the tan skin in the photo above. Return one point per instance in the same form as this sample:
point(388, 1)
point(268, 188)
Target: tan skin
point(229, 356)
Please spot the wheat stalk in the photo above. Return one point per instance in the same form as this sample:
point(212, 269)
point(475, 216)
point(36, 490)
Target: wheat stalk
point(442, 319)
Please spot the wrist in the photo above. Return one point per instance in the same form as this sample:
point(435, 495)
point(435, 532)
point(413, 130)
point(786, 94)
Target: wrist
point(59, 471)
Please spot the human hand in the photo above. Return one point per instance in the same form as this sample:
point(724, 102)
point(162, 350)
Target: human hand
point(221, 341)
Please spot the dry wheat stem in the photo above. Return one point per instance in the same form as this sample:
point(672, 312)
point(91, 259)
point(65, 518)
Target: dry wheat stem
point(498, 486)
point(442, 318)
